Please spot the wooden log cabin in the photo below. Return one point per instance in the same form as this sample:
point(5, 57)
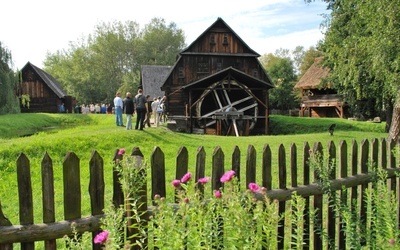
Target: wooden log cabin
point(318, 100)
point(44, 92)
point(218, 86)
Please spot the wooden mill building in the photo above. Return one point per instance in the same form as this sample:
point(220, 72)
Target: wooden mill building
point(319, 100)
point(44, 91)
point(218, 86)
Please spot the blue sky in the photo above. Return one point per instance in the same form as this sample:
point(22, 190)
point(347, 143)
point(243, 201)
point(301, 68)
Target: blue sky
point(30, 29)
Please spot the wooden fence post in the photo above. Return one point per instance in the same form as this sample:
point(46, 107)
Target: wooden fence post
point(267, 167)
point(118, 194)
point(318, 201)
point(48, 196)
point(306, 181)
point(5, 222)
point(25, 196)
point(332, 199)
point(96, 189)
point(236, 162)
point(157, 162)
point(343, 169)
point(182, 161)
point(200, 167)
point(218, 159)
point(251, 164)
point(282, 185)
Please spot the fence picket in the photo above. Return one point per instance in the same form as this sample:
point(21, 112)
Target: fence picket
point(236, 161)
point(331, 218)
point(267, 167)
point(282, 185)
point(96, 188)
point(182, 162)
point(48, 196)
point(306, 181)
point(318, 204)
point(251, 165)
point(72, 187)
point(343, 173)
point(25, 195)
point(157, 162)
point(200, 167)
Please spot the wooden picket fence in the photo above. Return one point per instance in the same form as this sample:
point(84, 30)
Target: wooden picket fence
point(352, 159)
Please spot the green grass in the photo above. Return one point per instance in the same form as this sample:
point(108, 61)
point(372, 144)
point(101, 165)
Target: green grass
point(58, 134)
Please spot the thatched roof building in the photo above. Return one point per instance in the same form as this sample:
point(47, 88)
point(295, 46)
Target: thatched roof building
point(319, 100)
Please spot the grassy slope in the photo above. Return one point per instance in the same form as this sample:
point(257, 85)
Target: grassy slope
point(84, 133)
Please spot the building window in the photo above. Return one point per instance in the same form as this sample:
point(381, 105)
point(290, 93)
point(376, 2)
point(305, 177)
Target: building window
point(203, 67)
point(212, 39)
point(181, 73)
point(255, 73)
point(219, 66)
point(225, 39)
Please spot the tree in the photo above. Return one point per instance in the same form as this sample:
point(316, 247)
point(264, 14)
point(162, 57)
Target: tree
point(361, 48)
point(281, 71)
point(110, 59)
point(9, 102)
point(308, 59)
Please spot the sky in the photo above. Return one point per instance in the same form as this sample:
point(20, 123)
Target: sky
point(31, 29)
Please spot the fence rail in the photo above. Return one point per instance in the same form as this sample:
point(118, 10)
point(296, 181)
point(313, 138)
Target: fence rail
point(352, 173)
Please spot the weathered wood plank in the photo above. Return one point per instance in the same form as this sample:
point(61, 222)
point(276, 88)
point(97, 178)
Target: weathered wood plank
point(282, 185)
point(72, 187)
point(96, 189)
point(25, 196)
point(251, 161)
point(200, 167)
point(157, 162)
point(48, 196)
point(267, 167)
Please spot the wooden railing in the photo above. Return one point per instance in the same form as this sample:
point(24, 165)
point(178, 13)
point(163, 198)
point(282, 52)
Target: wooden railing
point(352, 159)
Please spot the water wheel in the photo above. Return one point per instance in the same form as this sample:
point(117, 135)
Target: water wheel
point(222, 96)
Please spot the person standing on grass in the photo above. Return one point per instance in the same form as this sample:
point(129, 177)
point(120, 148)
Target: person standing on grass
point(149, 111)
point(154, 106)
point(118, 106)
point(141, 109)
point(129, 110)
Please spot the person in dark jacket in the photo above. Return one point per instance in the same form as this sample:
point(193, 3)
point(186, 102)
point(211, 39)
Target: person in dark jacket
point(129, 110)
point(141, 109)
point(149, 111)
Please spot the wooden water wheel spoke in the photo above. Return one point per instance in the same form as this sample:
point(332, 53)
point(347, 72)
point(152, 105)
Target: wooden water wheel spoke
point(223, 96)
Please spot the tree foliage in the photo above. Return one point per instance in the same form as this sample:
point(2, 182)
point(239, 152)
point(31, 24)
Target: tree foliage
point(281, 70)
point(361, 46)
point(108, 60)
point(9, 102)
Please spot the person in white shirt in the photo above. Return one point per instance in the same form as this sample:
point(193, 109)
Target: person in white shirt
point(118, 106)
point(154, 106)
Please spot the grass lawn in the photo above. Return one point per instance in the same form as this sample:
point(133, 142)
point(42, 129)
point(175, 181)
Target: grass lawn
point(57, 134)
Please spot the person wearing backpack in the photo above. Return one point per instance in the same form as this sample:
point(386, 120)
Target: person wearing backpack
point(141, 107)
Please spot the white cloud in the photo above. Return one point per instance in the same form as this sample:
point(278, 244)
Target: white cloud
point(32, 28)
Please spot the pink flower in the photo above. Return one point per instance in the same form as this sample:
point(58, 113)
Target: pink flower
point(186, 177)
point(121, 151)
point(101, 237)
point(217, 194)
point(176, 183)
point(254, 187)
point(204, 180)
point(392, 242)
point(227, 176)
point(186, 200)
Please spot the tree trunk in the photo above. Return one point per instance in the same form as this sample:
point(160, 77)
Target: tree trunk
point(395, 125)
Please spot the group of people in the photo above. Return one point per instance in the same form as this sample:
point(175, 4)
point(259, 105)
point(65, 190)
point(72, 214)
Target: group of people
point(140, 104)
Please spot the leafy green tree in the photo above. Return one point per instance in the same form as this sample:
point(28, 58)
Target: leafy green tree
point(361, 48)
point(282, 73)
point(308, 59)
point(9, 102)
point(110, 59)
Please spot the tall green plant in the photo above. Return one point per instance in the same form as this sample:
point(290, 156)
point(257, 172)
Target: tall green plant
point(9, 102)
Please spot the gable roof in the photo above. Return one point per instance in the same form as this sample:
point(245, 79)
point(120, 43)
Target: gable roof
point(313, 76)
point(220, 23)
point(152, 78)
point(233, 74)
point(48, 79)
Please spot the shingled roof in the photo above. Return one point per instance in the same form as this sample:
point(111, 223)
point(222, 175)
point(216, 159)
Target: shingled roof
point(313, 76)
point(152, 78)
point(52, 83)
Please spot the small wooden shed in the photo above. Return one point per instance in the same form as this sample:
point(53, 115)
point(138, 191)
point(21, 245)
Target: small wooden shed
point(44, 91)
point(318, 100)
point(218, 86)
